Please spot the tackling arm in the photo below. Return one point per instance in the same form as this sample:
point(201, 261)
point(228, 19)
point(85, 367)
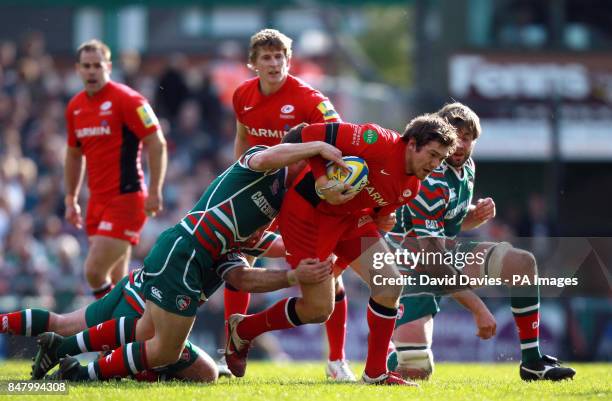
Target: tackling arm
point(308, 271)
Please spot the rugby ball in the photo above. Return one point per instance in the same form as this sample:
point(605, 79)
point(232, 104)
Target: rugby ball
point(357, 177)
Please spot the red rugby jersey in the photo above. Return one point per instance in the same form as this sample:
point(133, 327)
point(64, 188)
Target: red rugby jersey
point(268, 118)
point(109, 127)
point(389, 186)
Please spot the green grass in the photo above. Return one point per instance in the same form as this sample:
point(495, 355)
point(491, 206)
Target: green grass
point(305, 381)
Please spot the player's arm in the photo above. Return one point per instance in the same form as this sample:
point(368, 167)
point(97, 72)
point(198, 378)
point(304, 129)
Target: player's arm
point(478, 214)
point(158, 161)
point(282, 155)
point(240, 142)
point(308, 271)
point(74, 169)
point(483, 318)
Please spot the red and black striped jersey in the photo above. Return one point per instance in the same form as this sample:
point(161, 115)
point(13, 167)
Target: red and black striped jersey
point(109, 127)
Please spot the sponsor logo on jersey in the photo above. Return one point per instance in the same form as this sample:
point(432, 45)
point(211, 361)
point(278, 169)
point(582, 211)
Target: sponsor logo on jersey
point(77, 112)
point(263, 205)
point(431, 224)
point(461, 206)
point(453, 193)
point(92, 131)
point(470, 185)
point(266, 133)
point(247, 108)
point(5, 324)
point(185, 355)
point(105, 226)
point(356, 141)
point(156, 293)
point(182, 302)
point(327, 109)
point(376, 197)
point(288, 108)
point(147, 116)
point(130, 233)
point(382, 171)
point(370, 136)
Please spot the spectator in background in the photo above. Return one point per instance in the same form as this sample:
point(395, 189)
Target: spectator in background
point(107, 124)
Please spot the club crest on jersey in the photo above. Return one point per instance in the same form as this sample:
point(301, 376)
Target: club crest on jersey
point(182, 302)
point(407, 193)
point(288, 108)
point(400, 311)
point(274, 187)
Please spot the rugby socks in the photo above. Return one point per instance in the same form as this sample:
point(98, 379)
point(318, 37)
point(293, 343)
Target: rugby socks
point(104, 337)
point(525, 303)
point(336, 328)
point(279, 316)
point(102, 291)
point(381, 322)
point(26, 322)
point(236, 301)
point(125, 360)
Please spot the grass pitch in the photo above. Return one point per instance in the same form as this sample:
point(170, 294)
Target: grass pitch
point(305, 381)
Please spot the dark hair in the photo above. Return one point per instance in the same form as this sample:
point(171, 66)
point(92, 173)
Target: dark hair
point(94, 45)
point(270, 38)
point(461, 117)
point(430, 127)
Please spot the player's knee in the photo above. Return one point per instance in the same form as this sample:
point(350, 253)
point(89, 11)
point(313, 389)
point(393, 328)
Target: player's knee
point(415, 364)
point(520, 262)
point(318, 313)
point(94, 276)
point(159, 354)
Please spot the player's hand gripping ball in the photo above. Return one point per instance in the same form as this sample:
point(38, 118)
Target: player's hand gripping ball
point(357, 177)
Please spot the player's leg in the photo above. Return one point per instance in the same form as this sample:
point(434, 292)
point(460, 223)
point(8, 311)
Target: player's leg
point(120, 269)
point(104, 253)
point(171, 331)
point(508, 263)
point(337, 367)
point(173, 279)
point(412, 337)
point(193, 365)
point(112, 321)
point(382, 306)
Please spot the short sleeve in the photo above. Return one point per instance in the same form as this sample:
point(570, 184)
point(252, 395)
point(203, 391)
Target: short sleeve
point(139, 115)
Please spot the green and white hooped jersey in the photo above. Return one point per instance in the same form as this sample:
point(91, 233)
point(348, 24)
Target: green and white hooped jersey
point(440, 207)
point(235, 205)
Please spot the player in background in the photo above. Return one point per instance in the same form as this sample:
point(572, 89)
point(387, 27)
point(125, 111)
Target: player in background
point(266, 107)
point(430, 222)
point(112, 319)
point(107, 124)
point(318, 219)
point(181, 269)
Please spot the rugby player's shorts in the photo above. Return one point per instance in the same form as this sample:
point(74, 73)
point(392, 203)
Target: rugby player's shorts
point(121, 216)
point(308, 233)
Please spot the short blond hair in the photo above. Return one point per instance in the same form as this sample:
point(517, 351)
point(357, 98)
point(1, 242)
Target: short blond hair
point(94, 45)
point(270, 38)
point(461, 117)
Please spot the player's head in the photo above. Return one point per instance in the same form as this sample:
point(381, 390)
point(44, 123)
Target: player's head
point(430, 139)
point(270, 55)
point(94, 65)
point(467, 124)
